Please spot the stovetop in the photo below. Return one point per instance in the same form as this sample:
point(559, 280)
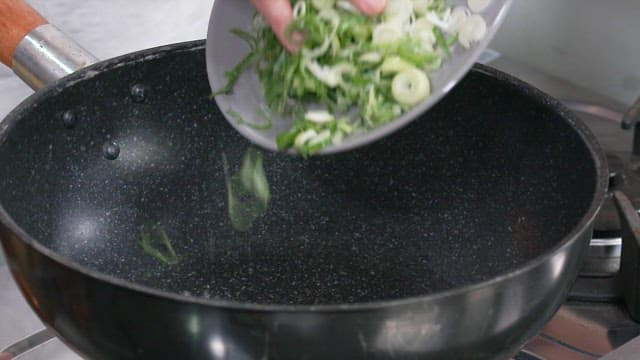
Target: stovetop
point(591, 324)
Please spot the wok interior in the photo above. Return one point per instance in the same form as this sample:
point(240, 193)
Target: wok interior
point(487, 180)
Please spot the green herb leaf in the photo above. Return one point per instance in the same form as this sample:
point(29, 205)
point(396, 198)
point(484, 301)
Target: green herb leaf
point(241, 121)
point(248, 193)
point(246, 36)
point(155, 242)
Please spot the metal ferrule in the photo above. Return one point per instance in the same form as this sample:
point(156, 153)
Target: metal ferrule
point(46, 54)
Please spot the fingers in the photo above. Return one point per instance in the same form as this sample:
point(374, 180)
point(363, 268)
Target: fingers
point(278, 14)
point(370, 7)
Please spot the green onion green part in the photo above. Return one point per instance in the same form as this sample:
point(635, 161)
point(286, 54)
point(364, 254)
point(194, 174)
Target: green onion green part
point(248, 193)
point(156, 243)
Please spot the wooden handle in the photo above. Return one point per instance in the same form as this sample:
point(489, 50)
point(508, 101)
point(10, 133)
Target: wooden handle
point(17, 19)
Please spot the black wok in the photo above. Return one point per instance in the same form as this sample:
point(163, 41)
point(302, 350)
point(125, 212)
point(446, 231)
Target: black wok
point(456, 237)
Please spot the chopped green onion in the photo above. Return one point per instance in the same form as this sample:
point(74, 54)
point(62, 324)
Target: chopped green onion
point(410, 87)
point(378, 66)
point(473, 29)
point(323, 4)
point(373, 57)
point(387, 34)
point(320, 138)
point(458, 17)
point(394, 65)
point(241, 121)
point(441, 41)
point(155, 242)
point(478, 5)
point(420, 7)
point(398, 11)
point(319, 116)
point(300, 9)
point(346, 5)
point(303, 137)
point(248, 193)
point(422, 30)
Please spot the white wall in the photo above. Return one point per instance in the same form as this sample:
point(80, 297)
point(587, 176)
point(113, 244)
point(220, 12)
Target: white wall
point(593, 43)
point(109, 28)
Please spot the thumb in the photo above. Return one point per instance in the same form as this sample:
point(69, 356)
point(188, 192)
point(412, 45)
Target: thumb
point(278, 14)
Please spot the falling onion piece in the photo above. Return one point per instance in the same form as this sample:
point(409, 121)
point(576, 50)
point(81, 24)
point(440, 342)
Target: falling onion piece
point(248, 193)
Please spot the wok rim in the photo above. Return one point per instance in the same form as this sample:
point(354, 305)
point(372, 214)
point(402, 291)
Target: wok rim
point(587, 219)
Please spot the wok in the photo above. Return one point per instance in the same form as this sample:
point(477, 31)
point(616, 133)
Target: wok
point(456, 237)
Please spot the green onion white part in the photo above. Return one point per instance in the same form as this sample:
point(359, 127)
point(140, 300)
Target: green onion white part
point(319, 116)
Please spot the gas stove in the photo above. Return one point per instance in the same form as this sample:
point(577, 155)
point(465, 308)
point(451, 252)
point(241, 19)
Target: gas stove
point(593, 323)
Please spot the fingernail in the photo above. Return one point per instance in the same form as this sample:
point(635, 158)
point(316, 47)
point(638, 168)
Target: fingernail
point(297, 38)
point(294, 41)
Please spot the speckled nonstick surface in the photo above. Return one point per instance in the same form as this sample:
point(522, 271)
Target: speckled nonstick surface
point(464, 229)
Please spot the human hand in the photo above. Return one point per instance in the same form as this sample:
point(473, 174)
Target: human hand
point(279, 15)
